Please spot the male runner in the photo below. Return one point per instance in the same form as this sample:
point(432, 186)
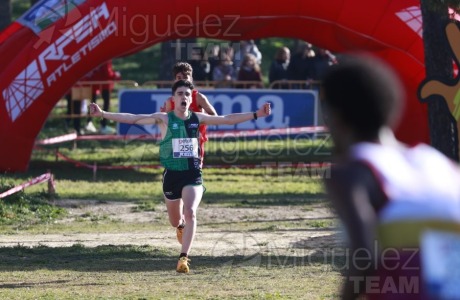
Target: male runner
point(180, 154)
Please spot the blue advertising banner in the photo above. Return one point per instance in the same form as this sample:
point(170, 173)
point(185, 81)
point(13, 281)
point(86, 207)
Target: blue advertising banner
point(290, 108)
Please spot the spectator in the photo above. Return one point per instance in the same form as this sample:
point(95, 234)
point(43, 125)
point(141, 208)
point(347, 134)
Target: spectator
point(199, 64)
point(102, 73)
point(278, 68)
point(400, 204)
point(77, 99)
point(250, 71)
point(73, 113)
point(246, 47)
point(321, 63)
point(224, 73)
point(213, 58)
point(301, 65)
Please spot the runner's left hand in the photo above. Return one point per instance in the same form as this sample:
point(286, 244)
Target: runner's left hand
point(264, 111)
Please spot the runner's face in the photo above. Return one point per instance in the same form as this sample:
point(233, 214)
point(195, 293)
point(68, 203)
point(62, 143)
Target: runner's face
point(182, 98)
point(183, 76)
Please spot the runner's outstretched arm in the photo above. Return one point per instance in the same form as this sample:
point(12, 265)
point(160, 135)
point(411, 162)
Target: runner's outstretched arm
point(141, 119)
point(236, 118)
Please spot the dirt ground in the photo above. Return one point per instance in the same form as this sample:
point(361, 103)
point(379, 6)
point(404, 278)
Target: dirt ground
point(215, 235)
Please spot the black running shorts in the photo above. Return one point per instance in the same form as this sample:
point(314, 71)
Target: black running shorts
point(174, 182)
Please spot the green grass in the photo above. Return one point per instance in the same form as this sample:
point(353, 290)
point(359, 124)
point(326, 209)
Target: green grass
point(27, 209)
point(144, 272)
point(147, 272)
point(260, 151)
point(232, 186)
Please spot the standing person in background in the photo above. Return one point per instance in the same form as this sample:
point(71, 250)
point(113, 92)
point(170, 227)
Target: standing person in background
point(224, 73)
point(104, 72)
point(180, 154)
point(397, 202)
point(250, 71)
point(245, 48)
point(301, 65)
point(73, 108)
point(323, 60)
point(213, 59)
point(199, 64)
point(278, 68)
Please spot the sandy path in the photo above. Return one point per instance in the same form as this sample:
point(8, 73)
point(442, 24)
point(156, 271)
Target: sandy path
point(215, 234)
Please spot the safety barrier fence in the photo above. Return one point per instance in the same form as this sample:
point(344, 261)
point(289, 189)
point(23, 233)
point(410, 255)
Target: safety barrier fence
point(211, 135)
point(268, 165)
point(47, 177)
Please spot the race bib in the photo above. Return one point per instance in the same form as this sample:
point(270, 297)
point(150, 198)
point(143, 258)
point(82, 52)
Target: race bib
point(185, 147)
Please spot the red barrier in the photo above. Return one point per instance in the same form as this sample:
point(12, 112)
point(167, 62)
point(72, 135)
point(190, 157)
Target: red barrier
point(58, 43)
point(211, 135)
point(58, 139)
point(269, 165)
point(42, 178)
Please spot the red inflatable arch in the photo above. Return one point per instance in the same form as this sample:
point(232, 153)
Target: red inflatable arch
point(56, 42)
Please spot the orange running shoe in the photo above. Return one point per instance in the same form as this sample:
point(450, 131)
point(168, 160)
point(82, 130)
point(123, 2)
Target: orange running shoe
point(183, 265)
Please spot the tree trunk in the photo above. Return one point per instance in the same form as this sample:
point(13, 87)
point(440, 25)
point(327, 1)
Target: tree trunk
point(438, 64)
point(5, 13)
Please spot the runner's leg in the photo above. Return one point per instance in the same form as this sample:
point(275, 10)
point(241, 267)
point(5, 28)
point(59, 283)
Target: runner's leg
point(191, 196)
point(175, 211)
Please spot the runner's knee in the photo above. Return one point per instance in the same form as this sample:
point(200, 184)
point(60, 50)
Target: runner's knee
point(189, 214)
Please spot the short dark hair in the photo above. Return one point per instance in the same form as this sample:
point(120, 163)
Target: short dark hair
point(365, 93)
point(183, 68)
point(181, 83)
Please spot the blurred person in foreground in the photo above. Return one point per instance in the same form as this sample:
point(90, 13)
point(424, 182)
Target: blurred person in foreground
point(400, 204)
point(180, 155)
